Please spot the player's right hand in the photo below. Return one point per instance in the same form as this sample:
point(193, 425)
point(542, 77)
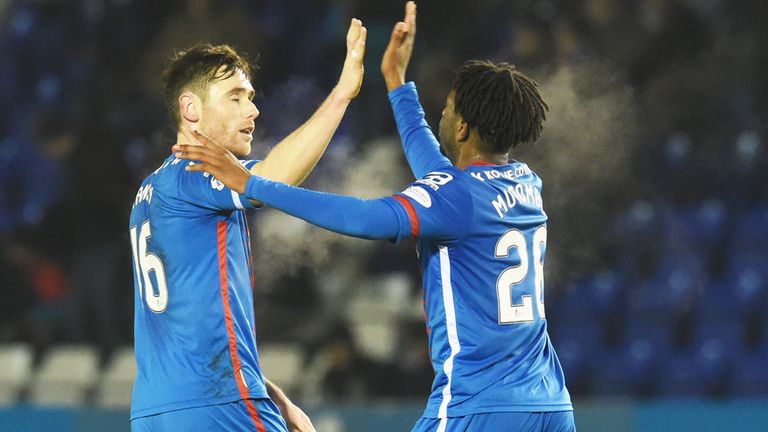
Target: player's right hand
point(351, 78)
point(398, 53)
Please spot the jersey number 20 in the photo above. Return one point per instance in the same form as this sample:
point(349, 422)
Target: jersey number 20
point(145, 263)
point(510, 313)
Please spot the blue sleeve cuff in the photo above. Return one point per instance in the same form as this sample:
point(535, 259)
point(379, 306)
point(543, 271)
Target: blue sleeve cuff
point(408, 87)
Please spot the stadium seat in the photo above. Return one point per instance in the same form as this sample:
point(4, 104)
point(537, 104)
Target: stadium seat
point(640, 222)
point(750, 228)
point(600, 293)
point(670, 292)
point(750, 375)
point(376, 340)
point(678, 377)
point(606, 290)
point(698, 226)
point(636, 233)
point(733, 297)
point(281, 363)
point(762, 332)
point(713, 363)
point(731, 334)
point(744, 262)
point(15, 371)
point(646, 303)
point(626, 371)
point(660, 335)
point(574, 358)
point(65, 376)
point(116, 383)
point(586, 332)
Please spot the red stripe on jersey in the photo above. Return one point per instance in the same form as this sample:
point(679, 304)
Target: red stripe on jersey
point(250, 256)
point(411, 214)
point(221, 231)
point(482, 163)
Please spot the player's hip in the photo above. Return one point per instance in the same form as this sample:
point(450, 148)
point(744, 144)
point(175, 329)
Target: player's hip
point(246, 415)
point(461, 396)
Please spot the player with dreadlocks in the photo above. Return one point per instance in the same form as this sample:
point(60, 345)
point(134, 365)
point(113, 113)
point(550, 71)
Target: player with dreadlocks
point(481, 232)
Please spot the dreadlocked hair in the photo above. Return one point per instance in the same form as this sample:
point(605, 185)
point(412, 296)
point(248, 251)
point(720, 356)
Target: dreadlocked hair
point(500, 102)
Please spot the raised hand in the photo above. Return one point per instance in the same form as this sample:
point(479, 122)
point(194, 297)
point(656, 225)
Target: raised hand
point(352, 73)
point(215, 160)
point(398, 53)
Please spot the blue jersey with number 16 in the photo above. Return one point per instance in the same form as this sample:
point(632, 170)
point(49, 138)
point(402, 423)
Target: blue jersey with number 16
point(194, 320)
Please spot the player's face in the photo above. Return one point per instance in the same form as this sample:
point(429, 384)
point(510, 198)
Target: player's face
point(448, 124)
point(228, 114)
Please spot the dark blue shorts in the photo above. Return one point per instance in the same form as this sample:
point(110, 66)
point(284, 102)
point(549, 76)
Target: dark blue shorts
point(558, 421)
point(251, 415)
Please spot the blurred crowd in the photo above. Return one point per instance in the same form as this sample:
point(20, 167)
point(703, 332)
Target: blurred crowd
point(658, 229)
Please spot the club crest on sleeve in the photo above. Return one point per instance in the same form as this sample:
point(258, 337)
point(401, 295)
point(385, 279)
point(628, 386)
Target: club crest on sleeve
point(419, 195)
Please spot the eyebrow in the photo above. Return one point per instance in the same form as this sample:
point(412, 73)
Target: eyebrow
point(237, 90)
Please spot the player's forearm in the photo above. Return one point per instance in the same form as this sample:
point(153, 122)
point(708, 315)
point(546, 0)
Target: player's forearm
point(419, 143)
point(296, 155)
point(368, 219)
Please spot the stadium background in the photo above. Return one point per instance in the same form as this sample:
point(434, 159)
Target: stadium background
point(654, 180)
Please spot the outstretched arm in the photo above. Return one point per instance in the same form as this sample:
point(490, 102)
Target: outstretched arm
point(381, 218)
point(419, 143)
point(291, 160)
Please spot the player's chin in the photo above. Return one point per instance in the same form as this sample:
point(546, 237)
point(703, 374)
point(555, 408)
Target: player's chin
point(243, 146)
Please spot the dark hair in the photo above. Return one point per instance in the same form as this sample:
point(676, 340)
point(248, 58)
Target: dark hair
point(193, 69)
point(500, 102)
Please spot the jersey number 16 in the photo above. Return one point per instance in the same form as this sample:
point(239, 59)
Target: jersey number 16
point(146, 263)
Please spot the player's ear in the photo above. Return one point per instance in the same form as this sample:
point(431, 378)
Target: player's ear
point(189, 107)
point(462, 131)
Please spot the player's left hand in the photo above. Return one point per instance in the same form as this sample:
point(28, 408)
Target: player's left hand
point(352, 73)
point(215, 160)
point(296, 419)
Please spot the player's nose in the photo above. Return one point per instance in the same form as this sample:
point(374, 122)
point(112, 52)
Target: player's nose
point(252, 112)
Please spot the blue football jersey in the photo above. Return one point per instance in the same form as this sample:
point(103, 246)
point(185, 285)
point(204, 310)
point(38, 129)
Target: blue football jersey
point(194, 319)
point(482, 238)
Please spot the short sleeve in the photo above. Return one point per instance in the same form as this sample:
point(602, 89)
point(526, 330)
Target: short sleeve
point(205, 190)
point(438, 205)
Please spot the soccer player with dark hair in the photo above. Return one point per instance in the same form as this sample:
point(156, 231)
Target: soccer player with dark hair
point(195, 340)
point(482, 234)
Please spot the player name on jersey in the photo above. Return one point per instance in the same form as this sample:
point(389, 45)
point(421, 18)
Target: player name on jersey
point(516, 194)
point(509, 174)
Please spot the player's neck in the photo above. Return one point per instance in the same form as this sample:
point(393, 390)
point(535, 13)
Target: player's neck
point(184, 136)
point(466, 159)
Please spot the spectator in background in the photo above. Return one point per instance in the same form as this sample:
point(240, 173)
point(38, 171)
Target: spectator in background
point(34, 288)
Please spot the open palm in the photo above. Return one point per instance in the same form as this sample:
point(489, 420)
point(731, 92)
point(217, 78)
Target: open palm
point(352, 73)
point(398, 53)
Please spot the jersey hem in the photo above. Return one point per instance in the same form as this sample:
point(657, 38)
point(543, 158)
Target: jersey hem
point(176, 406)
point(507, 408)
